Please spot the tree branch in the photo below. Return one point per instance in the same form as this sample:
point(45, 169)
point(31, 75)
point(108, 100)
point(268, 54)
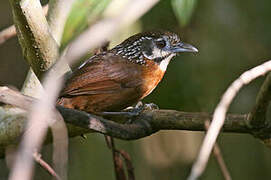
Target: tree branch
point(39, 47)
point(10, 31)
point(258, 114)
point(147, 123)
point(31, 83)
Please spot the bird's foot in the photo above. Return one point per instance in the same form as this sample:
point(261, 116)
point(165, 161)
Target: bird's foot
point(130, 112)
point(133, 111)
point(150, 106)
point(140, 106)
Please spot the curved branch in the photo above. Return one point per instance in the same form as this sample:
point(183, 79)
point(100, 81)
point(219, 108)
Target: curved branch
point(220, 114)
point(151, 121)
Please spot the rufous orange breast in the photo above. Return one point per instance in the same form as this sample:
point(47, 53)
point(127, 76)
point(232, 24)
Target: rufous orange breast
point(152, 75)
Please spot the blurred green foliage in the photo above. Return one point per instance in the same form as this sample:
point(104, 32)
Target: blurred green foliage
point(83, 14)
point(183, 10)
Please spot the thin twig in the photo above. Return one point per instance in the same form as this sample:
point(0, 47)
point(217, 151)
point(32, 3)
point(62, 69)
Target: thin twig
point(128, 164)
point(117, 155)
point(7, 33)
point(219, 158)
point(117, 161)
point(220, 114)
point(14, 97)
point(10, 31)
point(45, 165)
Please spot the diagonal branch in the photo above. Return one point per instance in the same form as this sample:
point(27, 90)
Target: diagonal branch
point(39, 47)
point(10, 31)
point(220, 114)
point(258, 114)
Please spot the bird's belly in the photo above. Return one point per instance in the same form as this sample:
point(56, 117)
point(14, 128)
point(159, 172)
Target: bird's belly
point(102, 102)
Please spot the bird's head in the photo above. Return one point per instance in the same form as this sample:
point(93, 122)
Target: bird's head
point(159, 46)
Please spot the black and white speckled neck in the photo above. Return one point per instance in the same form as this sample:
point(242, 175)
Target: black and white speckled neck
point(141, 46)
point(132, 50)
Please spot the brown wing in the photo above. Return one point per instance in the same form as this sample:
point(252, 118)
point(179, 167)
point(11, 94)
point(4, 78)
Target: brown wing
point(103, 74)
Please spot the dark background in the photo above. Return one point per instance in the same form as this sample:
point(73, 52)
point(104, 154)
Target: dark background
point(232, 36)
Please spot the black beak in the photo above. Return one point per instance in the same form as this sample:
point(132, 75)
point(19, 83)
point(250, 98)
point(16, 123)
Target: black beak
point(183, 47)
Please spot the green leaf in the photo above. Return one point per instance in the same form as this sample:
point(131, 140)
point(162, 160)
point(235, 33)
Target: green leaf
point(83, 14)
point(183, 10)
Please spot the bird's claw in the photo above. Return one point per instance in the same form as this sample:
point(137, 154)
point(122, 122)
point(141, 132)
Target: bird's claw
point(131, 112)
point(150, 106)
point(139, 107)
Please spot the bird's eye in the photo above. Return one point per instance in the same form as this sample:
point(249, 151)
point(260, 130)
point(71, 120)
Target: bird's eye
point(160, 43)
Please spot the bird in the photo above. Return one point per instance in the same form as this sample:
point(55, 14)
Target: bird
point(115, 79)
